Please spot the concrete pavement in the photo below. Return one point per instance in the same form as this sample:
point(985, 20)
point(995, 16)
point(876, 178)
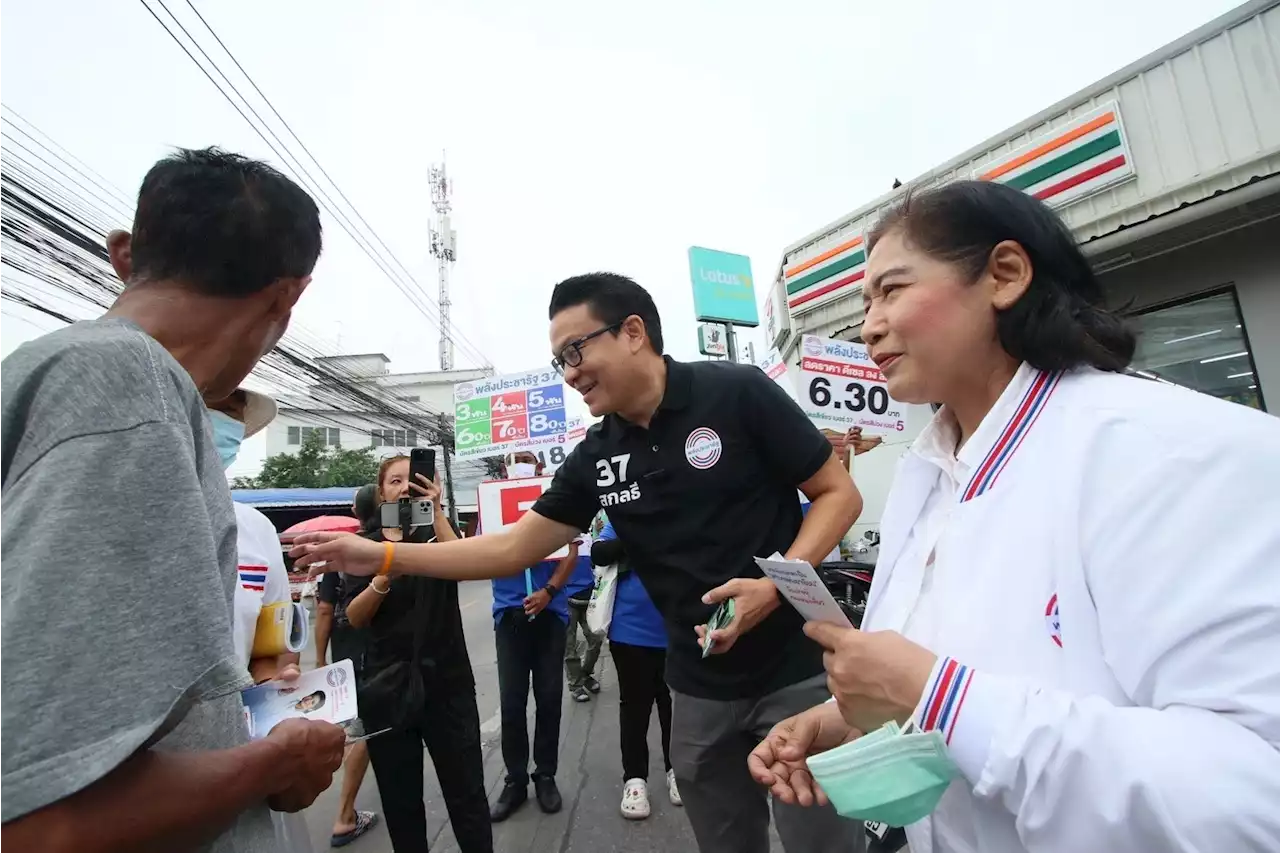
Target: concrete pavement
point(590, 777)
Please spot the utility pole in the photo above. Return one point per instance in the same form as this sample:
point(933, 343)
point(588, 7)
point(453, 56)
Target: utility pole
point(446, 446)
point(444, 242)
point(732, 354)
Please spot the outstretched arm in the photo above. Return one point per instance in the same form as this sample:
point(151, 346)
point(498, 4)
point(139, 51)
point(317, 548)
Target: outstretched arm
point(491, 555)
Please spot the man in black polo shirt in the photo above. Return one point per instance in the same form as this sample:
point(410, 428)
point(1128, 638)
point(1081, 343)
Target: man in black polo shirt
point(698, 466)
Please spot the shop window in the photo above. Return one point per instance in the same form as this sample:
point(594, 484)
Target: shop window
point(1201, 344)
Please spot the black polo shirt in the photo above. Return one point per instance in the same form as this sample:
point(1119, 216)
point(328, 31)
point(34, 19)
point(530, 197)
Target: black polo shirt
point(708, 486)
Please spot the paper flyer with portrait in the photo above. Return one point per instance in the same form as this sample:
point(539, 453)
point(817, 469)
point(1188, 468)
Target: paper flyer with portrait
point(327, 693)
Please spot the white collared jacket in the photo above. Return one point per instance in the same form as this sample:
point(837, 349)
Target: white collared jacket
point(1109, 623)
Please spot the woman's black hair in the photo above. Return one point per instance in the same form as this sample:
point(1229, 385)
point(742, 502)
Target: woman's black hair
point(1062, 321)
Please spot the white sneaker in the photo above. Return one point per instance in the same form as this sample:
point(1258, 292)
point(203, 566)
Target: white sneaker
point(672, 791)
point(635, 799)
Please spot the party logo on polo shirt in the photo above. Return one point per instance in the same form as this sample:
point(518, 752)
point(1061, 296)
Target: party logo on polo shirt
point(1052, 621)
point(703, 448)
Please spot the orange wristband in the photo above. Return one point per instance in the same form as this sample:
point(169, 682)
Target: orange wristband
point(389, 549)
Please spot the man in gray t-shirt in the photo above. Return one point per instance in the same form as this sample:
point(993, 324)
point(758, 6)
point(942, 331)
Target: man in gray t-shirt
point(123, 727)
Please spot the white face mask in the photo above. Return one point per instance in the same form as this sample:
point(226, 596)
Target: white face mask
point(521, 469)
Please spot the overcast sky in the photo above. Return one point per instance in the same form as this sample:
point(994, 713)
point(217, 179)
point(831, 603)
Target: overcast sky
point(579, 137)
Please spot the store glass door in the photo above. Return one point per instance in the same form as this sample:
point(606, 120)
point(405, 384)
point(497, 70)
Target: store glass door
point(1200, 343)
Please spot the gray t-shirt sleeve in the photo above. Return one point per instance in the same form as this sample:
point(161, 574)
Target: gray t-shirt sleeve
point(115, 616)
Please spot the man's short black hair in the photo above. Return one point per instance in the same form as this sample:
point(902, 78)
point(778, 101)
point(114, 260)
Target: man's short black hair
point(222, 223)
point(611, 299)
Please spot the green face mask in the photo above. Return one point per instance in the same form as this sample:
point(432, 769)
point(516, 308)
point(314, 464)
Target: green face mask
point(890, 775)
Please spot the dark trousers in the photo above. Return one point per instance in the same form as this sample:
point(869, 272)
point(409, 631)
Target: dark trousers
point(530, 650)
point(728, 811)
point(641, 685)
point(450, 729)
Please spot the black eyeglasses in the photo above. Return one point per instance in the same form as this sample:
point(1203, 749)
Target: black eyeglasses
point(571, 354)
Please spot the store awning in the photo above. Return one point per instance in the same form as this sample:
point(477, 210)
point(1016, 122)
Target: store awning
point(271, 498)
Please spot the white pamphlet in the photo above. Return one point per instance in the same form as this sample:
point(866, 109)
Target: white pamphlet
point(800, 585)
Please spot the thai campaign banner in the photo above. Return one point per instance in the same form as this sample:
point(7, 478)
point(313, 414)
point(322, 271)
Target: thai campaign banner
point(841, 387)
point(552, 456)
point(503, 502)
point(514, 411)
point(775, 368)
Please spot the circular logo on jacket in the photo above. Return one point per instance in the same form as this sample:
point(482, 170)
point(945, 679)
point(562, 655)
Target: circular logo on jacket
point(336, 678)
point(702, 448)
point(1052, 622)
point(812, 345)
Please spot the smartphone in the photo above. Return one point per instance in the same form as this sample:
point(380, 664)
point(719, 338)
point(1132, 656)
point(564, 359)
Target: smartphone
point(421, 512)
point(422, 460)
point(722, 616)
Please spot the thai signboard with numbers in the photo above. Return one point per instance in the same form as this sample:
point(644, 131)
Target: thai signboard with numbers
point(775, 368)
point(514, 411)
point(504, 502)
point(552, 456)
point(840, 387)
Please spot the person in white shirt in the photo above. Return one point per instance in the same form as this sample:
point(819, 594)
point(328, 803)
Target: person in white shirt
point(263, 579)
point(1079, 575)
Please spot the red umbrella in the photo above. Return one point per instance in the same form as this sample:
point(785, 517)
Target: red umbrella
point(343, 523)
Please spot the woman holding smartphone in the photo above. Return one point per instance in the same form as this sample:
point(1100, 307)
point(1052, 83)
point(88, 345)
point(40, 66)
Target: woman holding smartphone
point(418, 681)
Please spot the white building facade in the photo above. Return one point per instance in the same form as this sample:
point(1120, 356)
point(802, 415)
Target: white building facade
point(1168, 174)
point(431, 393)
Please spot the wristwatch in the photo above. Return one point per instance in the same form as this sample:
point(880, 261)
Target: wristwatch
point(551, 590)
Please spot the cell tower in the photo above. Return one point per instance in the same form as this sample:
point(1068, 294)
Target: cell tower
point(444, 243)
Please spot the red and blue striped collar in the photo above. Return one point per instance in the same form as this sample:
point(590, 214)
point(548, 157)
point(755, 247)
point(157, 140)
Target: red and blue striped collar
point(1032, 403)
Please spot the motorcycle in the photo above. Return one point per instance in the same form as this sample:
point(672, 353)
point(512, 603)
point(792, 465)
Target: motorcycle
point(850, 583)
point(850, 580)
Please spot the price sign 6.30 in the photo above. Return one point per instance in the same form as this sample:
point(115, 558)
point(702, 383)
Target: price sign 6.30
point(840, 387)
point(857, 396)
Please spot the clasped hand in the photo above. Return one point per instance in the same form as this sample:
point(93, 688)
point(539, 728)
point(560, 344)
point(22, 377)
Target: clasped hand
point(874, 676)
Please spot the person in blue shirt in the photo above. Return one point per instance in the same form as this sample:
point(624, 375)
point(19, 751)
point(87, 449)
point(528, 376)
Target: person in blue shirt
point(530, 630)
point(638, 646)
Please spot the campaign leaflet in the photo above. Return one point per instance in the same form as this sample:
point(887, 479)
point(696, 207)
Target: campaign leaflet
point(327, 693)
point(800, 585)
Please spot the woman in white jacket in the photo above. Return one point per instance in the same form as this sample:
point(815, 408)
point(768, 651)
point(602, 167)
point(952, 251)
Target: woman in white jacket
point(1079, 576)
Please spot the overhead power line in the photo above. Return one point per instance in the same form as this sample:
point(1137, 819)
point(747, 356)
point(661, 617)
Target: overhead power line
point(56, 253)
point(401, 278)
